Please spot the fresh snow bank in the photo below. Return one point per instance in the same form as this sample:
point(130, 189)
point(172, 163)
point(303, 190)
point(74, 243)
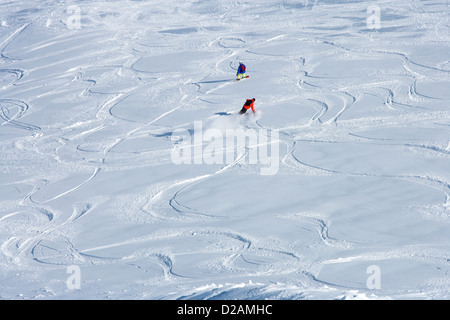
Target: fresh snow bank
point(93, 206)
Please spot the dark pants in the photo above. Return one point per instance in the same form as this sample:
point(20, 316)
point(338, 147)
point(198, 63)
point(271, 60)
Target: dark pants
point(243, 110)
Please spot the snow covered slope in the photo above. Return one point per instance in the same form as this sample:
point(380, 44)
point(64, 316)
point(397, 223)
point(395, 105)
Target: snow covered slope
point(123, 174)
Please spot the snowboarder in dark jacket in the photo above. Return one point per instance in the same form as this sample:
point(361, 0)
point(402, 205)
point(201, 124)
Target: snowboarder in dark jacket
point(247, 105)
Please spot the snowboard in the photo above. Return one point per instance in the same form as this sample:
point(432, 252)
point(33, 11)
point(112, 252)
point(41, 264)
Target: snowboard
point(241, 78)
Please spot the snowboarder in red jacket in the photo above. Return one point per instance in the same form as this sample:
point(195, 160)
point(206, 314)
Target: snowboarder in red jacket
point(247, 105)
